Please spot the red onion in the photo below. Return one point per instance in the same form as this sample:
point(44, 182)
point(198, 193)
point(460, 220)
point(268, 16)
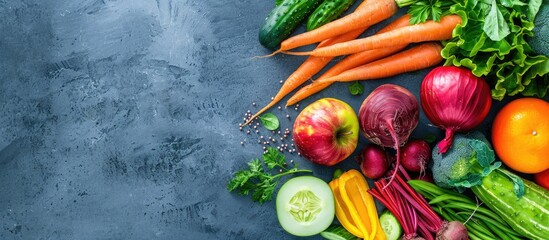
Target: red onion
point(455, 100)
point(388, 116)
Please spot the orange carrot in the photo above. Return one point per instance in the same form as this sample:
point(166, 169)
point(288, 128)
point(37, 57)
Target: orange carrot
point(422, 56)
point(355, 60)
point(423, 32)
point(308, 68)
point(367, 14)
point(313, 64)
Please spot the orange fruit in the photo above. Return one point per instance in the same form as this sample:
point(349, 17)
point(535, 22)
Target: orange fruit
point(520, 135)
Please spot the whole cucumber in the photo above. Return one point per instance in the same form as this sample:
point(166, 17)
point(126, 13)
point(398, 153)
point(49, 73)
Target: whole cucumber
point(283, 20)
point(328, 11)
point(527, 215)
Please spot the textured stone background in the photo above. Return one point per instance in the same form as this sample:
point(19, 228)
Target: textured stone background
point(119, 119)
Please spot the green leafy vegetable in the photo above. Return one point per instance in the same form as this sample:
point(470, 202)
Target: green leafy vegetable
point(356, 88)
point(258, 180)
point(495, 25)
point(508, 64)
point(492, 41)
point(269, 121)
point(278, 2)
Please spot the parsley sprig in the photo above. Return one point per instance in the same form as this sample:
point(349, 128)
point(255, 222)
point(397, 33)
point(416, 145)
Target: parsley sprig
point(424, 10)
point(258, 180)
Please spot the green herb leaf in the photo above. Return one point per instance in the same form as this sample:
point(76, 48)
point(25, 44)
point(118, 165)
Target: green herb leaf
point(495, 25)
point(273, 158)
point(278, 2)
point(431, 138)
point(258, 182)
point(269, 121)
point(255, 166)
point(240, 178)
point(424, 10)
point(419, 13)
point(356, 88)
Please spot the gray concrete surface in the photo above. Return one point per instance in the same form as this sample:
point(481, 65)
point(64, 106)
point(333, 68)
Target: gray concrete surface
point(119, 119)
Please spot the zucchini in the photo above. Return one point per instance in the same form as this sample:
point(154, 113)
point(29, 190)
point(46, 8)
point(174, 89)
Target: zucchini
point(283, 20)
point(328, 11)
point(527, 215)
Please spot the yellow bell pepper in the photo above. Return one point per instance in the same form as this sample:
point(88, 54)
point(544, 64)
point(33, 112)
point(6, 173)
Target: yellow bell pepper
point(355, 207)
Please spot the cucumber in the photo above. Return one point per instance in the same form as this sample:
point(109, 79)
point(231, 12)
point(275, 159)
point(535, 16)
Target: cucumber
point(390, 225)
point(283, 20)
point(337, 232)
point(328, 11)
point(527, 215)
point(305, 206)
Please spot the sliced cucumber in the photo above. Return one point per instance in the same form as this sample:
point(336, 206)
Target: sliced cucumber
point(305, 206)
point(337, 232)
point(390, 225)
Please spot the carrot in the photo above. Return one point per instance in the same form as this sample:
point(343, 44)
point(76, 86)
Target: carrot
point(313, 64)
point(308, 69)
point(355, 60)
point(422, 56)
point(423, 32)
point(367, 14)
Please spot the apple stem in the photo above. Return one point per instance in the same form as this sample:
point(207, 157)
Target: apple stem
point(345, 133)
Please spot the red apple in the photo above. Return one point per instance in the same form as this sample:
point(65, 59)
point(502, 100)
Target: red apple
point(326, 132)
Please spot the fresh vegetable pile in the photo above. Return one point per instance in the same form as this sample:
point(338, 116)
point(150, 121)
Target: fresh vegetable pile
point(478, 192)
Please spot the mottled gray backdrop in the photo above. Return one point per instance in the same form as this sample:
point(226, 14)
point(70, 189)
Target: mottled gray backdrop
point(119, 118)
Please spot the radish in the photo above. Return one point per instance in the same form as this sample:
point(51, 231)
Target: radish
point(373, 161)
point(388, 116)
point(452, 231)
point(415, 156)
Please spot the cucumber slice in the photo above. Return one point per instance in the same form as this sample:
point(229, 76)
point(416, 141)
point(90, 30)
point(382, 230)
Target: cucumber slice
point(305, 206)
point(337, 232)
point(390, 225)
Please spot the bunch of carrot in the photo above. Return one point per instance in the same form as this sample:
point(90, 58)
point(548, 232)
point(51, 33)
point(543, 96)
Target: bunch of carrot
point(371, 57)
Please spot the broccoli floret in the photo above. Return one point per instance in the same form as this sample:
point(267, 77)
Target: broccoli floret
point(459, 162)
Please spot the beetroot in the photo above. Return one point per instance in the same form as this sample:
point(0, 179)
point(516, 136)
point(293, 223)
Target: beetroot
point(373, 161)
point(415, 156)
point(425, 176)
point(452, 231)
point(388, 116)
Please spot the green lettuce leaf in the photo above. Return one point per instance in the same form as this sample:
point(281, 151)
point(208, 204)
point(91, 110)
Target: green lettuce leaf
point(491, 41)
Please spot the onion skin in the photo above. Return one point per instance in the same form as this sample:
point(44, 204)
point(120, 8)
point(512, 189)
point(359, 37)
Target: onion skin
point(454, 99)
